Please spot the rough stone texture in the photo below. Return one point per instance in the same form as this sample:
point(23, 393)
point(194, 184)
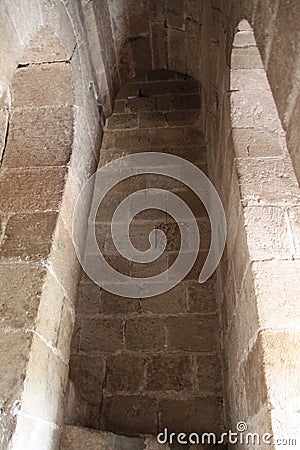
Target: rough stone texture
point(91, 377)
point(28, 236)
point(100, 45)
point(169, 372)
point(125, 373)
point(3, 130)
point(42, 85)
point(31, 190)
point(199, 336)
point(20, 291)
point(76, 438)
point(39, 137)
point(259, 295)
point(101, 334)
point(145, 334)
point(126, 414)
point(198, 415)
point(36, 101)
point(150, 345)
point(44, 47)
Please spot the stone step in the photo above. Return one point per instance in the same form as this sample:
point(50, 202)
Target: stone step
point(77, 438)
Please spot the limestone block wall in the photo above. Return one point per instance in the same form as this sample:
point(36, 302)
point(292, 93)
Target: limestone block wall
point(141, 361)
point(37, 148)
point(265, 310)
point(105, 47)
point(250, 164)
point(50, 127)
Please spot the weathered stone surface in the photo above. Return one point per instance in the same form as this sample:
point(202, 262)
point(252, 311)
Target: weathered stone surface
point(280, 280)
point(252, 142)
point(111, 304)
point(209, 374)
point(28, 236)
point(3, 130)
point(141, 54)
point(20, 287)
point(183, 117)
point(45, 382)
point(121, 121)
point(15, 346)
point(42, 85)
point(88, 302)
point(165, 103)
point(201, 297)
point(169, 372)
point(285, 52)
point(138, 17)
point(125, 414)
point(294, 218)
point(167, 137)
point(62, 250)
point(248, 111)
point(244, 38)
point(100, 334)
point(192, 333)
point(176, 50)
point(44, 47)
point(159, 45)
point(267, 233)
point(78, 411)
point(187, 101)
point(31, 189)
point(39, 137)
point(77, 438)
point(240, 259)
point(157, 10)
point(254, 378)
point(152, 119)
point(257, 179)
point(125, 373)
point(87, 373)
point(56, 316)
point(39, 432)
point(281, 363)
point(149, 270)
point(197, 415)
point(246, 60)
point(144, 333)
point(175, 13)
point(132, 141)
point(293, 139)
point(171, 302)
point(200, 51)
point(246, 80)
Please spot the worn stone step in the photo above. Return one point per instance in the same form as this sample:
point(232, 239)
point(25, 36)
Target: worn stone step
point(77, 438)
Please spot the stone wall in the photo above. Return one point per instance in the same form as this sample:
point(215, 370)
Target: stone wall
point(259, 304)
point(142, 360)
point(47, 117)
point(106, 43)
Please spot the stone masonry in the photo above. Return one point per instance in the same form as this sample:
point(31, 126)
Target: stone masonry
point(216, 82)
point(141, 360)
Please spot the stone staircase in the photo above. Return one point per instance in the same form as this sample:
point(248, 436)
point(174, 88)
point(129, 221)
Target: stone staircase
point(78, 438)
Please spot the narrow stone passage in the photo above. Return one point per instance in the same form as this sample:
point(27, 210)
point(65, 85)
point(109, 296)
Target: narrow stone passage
point(140, 361)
